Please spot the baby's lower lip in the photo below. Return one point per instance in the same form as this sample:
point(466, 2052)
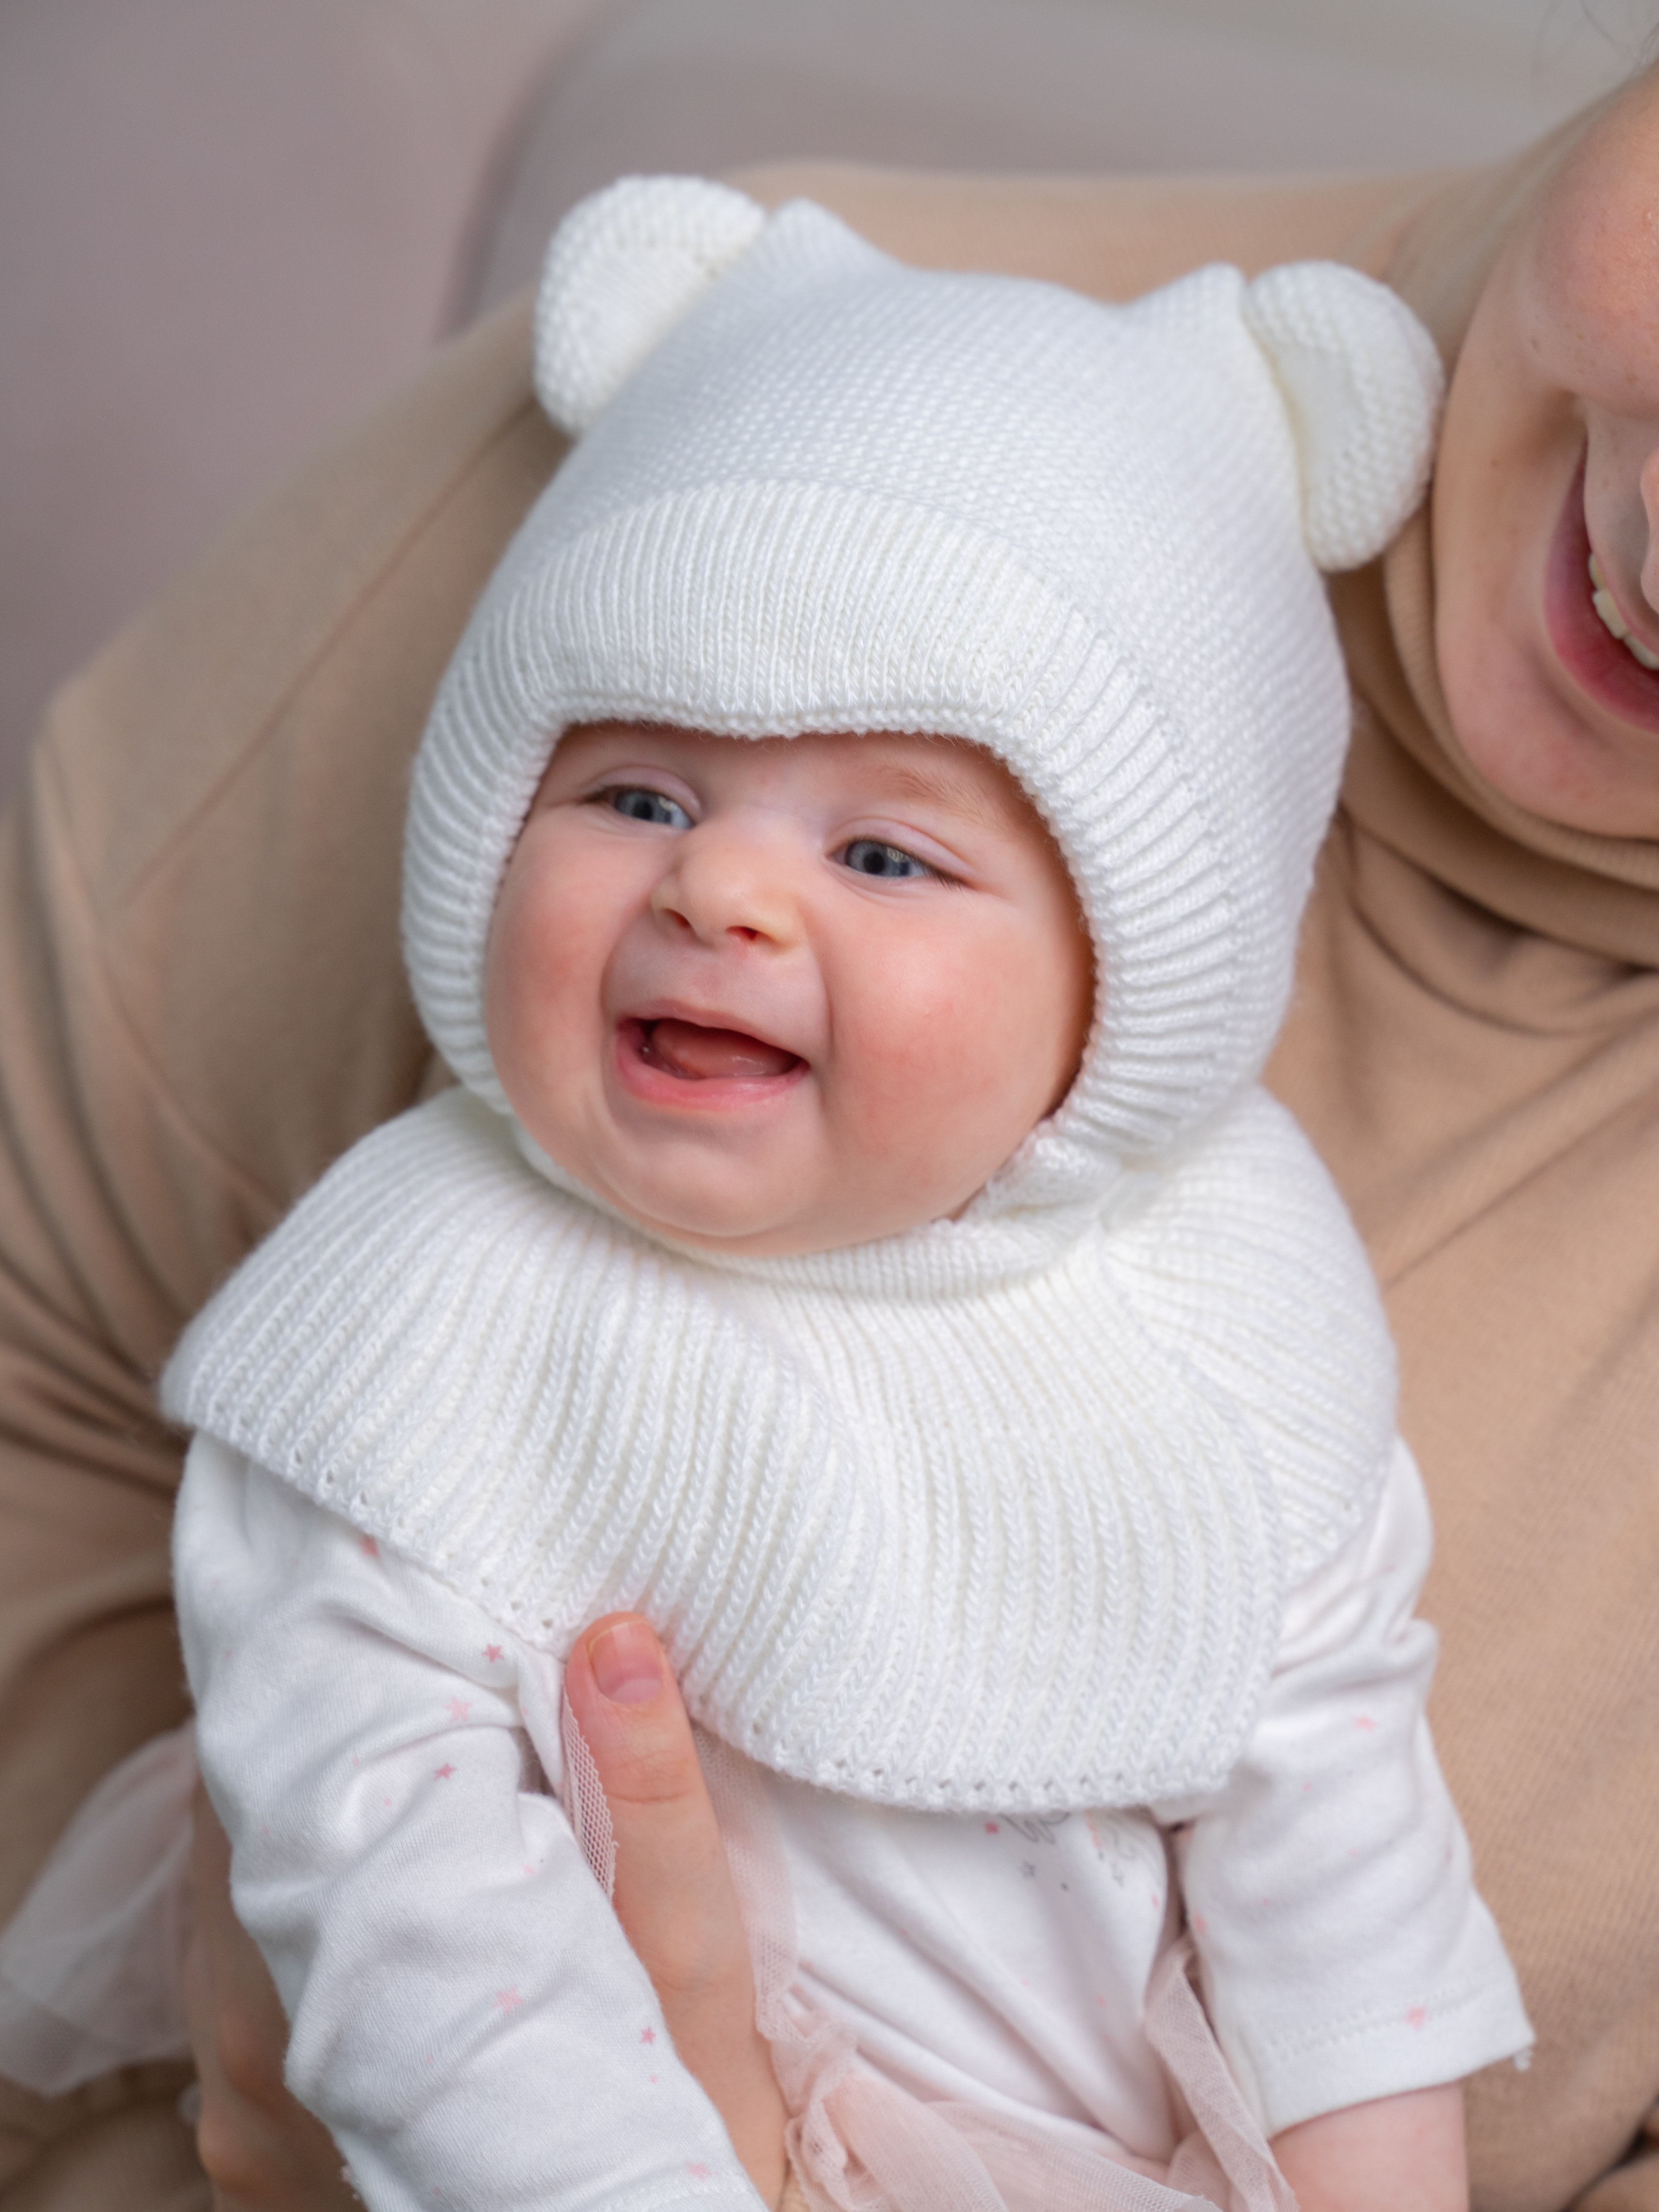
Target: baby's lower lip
point(1590, 655)
point(693, 1056)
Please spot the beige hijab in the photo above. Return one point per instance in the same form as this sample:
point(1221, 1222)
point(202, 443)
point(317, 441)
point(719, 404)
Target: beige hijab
point(1475, 1050)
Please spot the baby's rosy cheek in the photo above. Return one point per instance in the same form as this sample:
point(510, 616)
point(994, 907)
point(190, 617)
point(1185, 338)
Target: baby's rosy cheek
point(926, 1054)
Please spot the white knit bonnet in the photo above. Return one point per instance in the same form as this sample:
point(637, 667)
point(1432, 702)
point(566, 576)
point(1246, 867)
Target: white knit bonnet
point(816, 489)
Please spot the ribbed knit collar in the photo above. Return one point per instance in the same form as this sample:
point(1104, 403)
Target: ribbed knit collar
point(959, 1522)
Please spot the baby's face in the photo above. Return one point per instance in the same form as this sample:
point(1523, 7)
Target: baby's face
point(781, 995)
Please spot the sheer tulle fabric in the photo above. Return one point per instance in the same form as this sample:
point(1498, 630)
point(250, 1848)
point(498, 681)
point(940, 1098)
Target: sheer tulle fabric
point(585, 1804)
point(92, 1965)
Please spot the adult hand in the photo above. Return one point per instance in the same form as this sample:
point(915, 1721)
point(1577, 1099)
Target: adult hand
point(264, 2153)
point(674, 1895)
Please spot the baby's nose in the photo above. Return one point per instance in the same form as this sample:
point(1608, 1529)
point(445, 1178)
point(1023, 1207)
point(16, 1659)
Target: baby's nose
point(727, 888)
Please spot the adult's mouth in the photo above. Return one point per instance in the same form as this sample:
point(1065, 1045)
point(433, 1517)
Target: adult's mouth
point(1587, 628)
point(698, 1052)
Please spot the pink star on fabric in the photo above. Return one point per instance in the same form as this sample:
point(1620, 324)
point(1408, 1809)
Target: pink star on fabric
point(648, 2035)
point(371, 1547)
point(1417, 2015)
point(508, 2000)
point(1364, 1720)
point(990, 1828)
point(458, 1708)
point(442, 1773)
point(492, 1652)
point(697, 2170)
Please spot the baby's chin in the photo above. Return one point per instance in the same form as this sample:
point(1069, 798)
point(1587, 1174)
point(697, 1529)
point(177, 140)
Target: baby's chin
point(748, 1232)
point(706, 1214)
point(706, 1196)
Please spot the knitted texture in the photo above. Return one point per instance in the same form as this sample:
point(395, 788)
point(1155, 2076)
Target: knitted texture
point(840, 494)
point(999, 1512)
point(1346, 357)
point(619, 274)
point(1000, 1519)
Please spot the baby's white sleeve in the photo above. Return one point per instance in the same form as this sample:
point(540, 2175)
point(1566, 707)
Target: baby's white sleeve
point(465, 2013)
point(1345, 1953)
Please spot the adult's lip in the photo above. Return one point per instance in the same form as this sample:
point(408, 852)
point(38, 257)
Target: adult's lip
point(1588, 651)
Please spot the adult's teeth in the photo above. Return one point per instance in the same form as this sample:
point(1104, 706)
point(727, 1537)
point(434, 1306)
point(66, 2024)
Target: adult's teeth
point(1607, 607)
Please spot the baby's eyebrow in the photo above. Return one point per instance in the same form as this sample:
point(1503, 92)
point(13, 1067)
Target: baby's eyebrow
point(937, 784)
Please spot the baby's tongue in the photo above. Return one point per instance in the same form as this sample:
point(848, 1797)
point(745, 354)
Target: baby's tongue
point(687, 1049)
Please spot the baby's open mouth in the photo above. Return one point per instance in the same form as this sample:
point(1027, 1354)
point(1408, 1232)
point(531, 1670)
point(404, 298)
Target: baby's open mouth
point(697, 1055)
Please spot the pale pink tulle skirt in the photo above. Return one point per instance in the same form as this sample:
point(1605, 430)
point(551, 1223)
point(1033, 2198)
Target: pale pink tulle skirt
point(860, 2144)
point(91, 1979)
point(92, 1965)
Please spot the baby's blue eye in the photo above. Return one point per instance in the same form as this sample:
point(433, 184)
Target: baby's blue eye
point(642, 805)
point(868, 856)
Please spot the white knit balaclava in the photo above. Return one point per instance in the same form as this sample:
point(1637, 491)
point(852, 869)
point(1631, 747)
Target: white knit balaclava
point(816, 489)
point(1000, 1511)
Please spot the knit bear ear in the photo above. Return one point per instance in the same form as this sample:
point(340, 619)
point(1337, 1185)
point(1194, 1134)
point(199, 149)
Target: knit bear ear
point(1363, 384)
point(621, 270)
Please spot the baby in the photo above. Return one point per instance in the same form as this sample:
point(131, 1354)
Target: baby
point(853, 869)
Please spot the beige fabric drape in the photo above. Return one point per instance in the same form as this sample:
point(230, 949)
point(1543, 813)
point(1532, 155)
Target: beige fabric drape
point(201, 1006)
